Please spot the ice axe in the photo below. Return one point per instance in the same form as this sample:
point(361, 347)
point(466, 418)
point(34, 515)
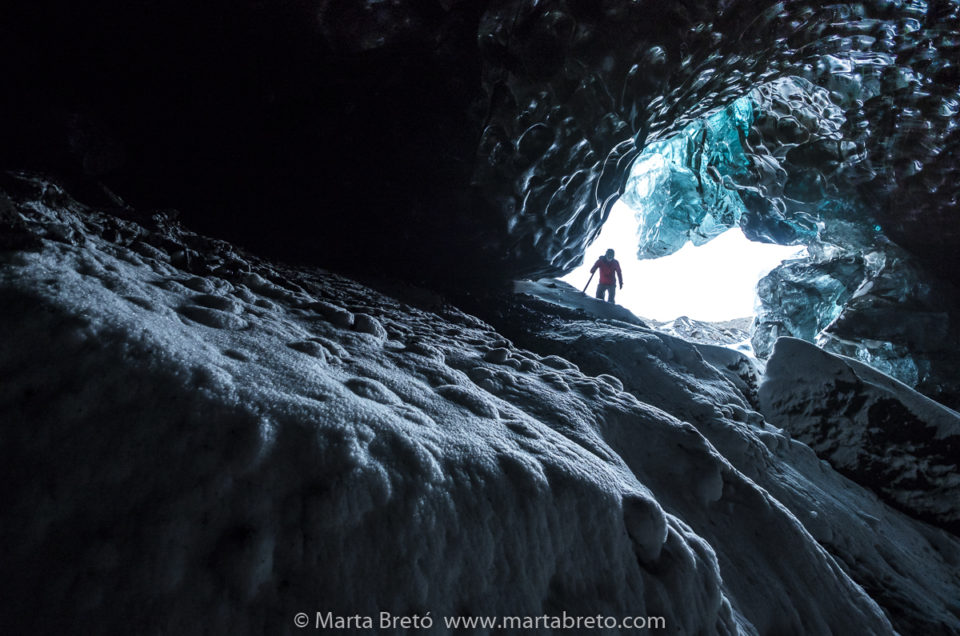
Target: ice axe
point(588, 282)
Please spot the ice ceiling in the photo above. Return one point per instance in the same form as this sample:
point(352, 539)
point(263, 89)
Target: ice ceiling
point(693, 187)
point(470, 141)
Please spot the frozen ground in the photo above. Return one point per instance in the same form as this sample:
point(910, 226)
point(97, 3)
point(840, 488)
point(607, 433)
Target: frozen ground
point(716, 389)
point(197, 441)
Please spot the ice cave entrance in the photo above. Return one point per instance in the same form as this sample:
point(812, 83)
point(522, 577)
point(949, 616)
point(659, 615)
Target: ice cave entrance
point(714, 282)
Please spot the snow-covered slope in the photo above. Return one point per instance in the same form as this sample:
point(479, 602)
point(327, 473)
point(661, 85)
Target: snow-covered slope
point(196, 441)
point(566, 295)
point(871, 427)
point(714, 388)
point(558, 292)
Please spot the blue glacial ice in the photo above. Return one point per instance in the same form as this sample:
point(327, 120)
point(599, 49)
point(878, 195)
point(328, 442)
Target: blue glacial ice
point(786, 165)
point(677, 185)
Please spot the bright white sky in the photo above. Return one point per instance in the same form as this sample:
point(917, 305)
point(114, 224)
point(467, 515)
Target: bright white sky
point(716, 281)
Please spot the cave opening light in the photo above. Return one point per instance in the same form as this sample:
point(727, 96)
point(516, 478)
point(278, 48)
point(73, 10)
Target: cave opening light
point(714, 282)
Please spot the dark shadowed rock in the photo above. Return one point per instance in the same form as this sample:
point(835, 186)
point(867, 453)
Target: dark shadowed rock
point(875, 430)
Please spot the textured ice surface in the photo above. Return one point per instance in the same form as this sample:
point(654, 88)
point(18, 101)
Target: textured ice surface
point(196, 441)
point(797, 120)
point(769, 162)
point(523, 116)
point(210, 453)
point(801, 298)
point(899, 321)
point(876, 307)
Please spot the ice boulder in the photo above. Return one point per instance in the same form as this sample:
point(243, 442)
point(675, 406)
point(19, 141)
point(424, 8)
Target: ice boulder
point(870, 427)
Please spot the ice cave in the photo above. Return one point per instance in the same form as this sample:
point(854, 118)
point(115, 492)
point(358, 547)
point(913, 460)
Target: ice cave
point(294, 336)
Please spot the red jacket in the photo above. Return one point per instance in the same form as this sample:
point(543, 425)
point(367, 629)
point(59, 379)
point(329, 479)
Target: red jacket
point(607, 269)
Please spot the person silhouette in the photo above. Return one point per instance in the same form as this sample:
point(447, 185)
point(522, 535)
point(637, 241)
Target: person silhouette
point(609, 273)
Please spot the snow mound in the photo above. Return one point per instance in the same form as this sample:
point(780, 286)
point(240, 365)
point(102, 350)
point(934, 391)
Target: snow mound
point(196, 441)
point(872, 428)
